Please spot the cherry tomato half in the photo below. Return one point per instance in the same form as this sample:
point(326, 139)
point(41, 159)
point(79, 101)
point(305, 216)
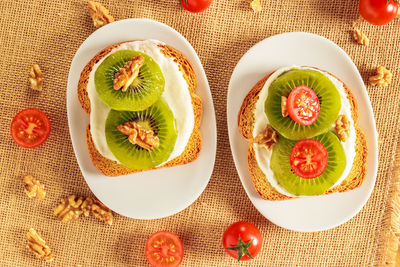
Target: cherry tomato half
point(196, 5)
point(164, 249)
point(242, 240)
point(308, 158)
point(378, 12)
point(30, 128)
point(303, 105)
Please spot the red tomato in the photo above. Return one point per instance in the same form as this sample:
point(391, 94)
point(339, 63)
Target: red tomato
point(164, 249)
point(30, 128)
point(196, 5)
point(378, 12)
point(242, 240)
point(303, 105)
point(308, 158)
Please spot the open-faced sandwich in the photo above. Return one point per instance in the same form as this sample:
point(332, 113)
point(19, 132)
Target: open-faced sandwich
point(144, 113)
point(301, 125)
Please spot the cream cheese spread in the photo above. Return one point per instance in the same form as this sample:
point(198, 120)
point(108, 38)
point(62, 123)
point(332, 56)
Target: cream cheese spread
point(263, 156)
point(176, 95)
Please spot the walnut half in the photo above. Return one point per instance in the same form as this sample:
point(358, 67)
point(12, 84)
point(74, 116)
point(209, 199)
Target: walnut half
point(267, 138)
point(37, 246)
point(36, 78)
point(101, 212)
point(139, 135)
point(98, 209)
point(72, 207)
point(256, 5)
point(382, 78)
point(128, 73)
point(69, 209)
point(33, 188)
point(100, 15)
point(284, 106)
point(342, 127)
point(360, 37)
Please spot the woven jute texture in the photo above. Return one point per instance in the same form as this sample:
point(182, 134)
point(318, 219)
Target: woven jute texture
point(49, 33)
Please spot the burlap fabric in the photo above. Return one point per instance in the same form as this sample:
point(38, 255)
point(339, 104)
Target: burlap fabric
point(49, 33)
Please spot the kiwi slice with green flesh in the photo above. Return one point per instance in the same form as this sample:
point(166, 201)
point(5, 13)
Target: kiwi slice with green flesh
point(144, 91)
point(329, 99)
point(158, 118)
point(296, 185)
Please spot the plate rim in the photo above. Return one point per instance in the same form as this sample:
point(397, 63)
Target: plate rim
point(200, 72)
point(243, 178)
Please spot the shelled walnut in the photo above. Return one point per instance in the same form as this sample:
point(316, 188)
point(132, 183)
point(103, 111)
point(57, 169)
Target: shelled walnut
point(33, 188)
point(267, 138)
point(284, 106)
point(128, 73)
point(256, 5)
point(360, 37)
point(69, 209)
point(101, 212)
point(382, 78)
point(100, 15)
point(87, 206)
point(342, 127)
point(72, 207)
point(139, 135)
point(95, 207)
point(36, 78)
point(38, 247)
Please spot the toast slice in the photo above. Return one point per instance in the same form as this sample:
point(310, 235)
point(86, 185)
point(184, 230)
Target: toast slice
point(263, 187)
point(192, 150)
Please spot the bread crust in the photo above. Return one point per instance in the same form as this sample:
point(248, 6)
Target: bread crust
point(192, 150)
point(263, 187)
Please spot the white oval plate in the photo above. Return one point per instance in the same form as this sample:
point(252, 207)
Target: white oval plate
point(307, 214)
point(151, 194)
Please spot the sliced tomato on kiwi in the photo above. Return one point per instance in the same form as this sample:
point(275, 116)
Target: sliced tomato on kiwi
point(303, 105)
point(164, 249)
point(308, 158)
point(30, 128)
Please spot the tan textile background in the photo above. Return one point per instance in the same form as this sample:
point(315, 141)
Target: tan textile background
point(49, 32)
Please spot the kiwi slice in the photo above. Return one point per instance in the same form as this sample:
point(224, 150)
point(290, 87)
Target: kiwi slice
point(158, 118)
point(329, 99)
point(296, 185)
point(145, 90)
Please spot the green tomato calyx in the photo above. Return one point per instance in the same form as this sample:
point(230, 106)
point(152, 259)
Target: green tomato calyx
point(242, 248)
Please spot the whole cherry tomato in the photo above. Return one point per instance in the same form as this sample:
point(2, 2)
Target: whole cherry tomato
point(242, 240)
point(378, 12)
point(196, 5)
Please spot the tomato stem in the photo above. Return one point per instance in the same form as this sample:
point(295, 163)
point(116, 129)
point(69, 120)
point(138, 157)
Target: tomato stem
point(242, 248)
point(185, 1)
